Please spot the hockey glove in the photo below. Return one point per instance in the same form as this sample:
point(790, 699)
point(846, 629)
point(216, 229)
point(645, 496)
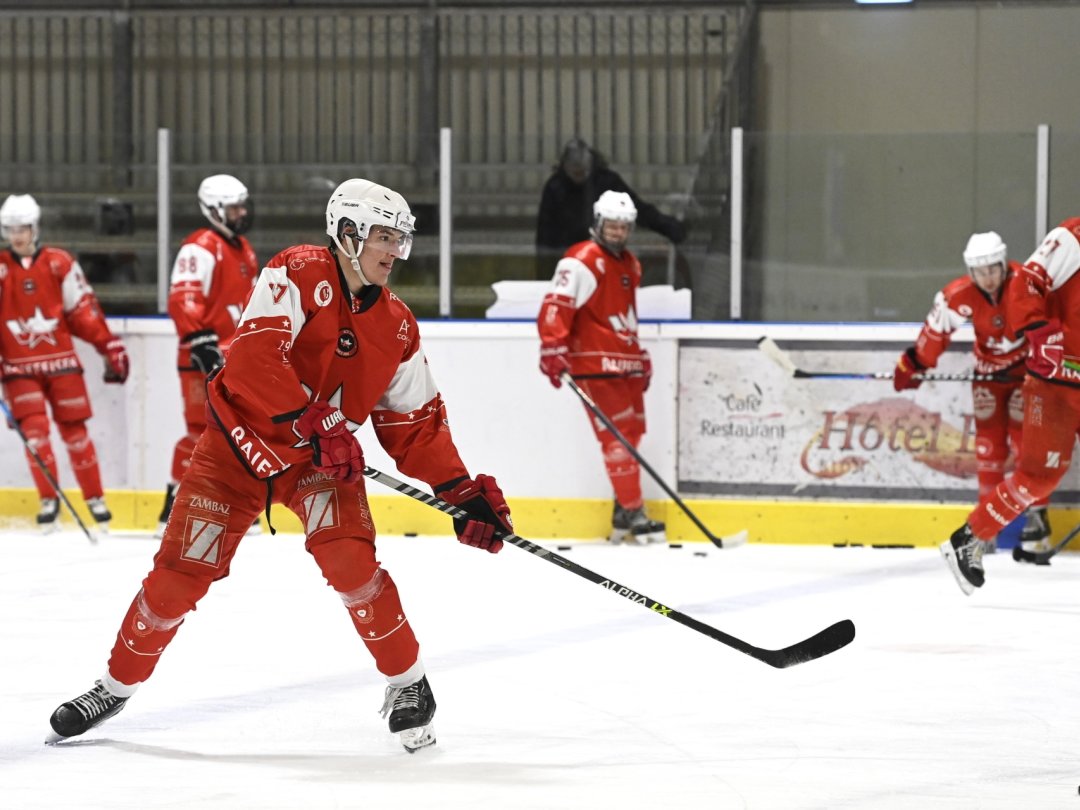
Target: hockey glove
point(117, 364)
point(487, 509)
point(205, 354)
point(334, 449)
point(1045, 349)
point(906, 368)
point(553, 362)
point(646, 370)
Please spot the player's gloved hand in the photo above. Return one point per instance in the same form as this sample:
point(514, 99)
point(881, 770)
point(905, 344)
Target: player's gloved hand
point(117, 364)
point(906, 368)
point(553, 362)
point(487, 509)
point(335, 451)
point(647, 370)
point(205, 353)
point(1045, 349)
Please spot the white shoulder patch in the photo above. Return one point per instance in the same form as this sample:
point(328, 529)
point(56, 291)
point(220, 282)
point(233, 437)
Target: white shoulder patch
point(324, 293)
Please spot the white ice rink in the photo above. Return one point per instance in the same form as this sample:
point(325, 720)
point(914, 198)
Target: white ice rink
point(552, 692)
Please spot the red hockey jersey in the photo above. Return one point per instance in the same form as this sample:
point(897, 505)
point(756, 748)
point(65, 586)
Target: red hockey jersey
point(1050, 289)
point(590, 308)
point(44, 300)
point(996, 345)
point(304, 336)
point(211, 279)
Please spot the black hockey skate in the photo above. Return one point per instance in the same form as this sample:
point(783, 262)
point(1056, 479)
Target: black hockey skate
point(411, 709)
point(100, 513)
point(48, 514)
point(81, 714)
point(635, 525)
point(1035, 536)
point(963, 552)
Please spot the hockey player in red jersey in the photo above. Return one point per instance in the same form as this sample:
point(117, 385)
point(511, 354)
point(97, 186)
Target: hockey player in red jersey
point(214, 271)
point(1044, 307)
point(45, 300)
point(980, 297)
point(588, 327)
point(321, 346)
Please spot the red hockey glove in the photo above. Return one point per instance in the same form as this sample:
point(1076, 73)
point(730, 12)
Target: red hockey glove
point(205, 354)
point(553, 362)
point(334, 450)
point(906, 368)
point(117, 364)
point(487, 509)
point(647, 371)
point(1045, 349)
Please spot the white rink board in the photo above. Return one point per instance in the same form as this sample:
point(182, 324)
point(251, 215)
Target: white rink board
point(508, 421)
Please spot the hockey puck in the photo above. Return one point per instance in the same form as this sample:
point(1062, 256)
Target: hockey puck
point(674, 545)
point(410, 534)
point(701, 554)
point(563, 548)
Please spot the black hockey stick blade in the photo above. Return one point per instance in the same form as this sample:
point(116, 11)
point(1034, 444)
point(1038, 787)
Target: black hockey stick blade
point(827, 641)
point(1043, 557)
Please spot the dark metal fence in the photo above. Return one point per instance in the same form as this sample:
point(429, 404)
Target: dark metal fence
point(294, 98)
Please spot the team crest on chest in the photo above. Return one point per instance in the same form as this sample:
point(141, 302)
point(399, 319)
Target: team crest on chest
point(346, 343)
point(998, 322)
point(626, 282)
point(29, 286)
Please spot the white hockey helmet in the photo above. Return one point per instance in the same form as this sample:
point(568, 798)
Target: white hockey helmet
point(217, 192)
point(358, 204)
point(19, 209)
point(984, 249)
point(613, 206)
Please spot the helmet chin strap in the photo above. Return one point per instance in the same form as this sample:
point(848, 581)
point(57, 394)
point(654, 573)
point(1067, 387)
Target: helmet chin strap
point(354, 259)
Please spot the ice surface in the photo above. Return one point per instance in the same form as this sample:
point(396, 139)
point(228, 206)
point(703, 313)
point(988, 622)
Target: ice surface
point(552, 692)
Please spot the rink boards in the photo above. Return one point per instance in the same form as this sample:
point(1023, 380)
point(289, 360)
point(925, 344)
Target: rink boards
point(746, 446)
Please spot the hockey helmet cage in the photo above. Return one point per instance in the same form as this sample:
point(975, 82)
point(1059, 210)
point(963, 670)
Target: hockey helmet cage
point(356, 205)
point(984, 249)
point(218, 192)
point(19, 209)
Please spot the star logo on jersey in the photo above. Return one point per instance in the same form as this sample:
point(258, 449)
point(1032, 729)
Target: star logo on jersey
point(335, 400)
point(36, 329)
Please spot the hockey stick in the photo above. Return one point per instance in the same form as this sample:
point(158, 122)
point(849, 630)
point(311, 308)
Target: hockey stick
point(827, 641)
point(1043, 557)
point(782, 359)
point(720, 542)
point(45, 471)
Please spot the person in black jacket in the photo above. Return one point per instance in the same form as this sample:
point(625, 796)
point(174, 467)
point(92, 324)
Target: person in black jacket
point(566, 204)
